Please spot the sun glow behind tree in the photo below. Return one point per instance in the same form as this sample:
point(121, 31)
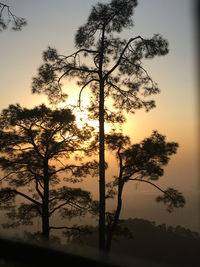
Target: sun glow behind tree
point(83, 115)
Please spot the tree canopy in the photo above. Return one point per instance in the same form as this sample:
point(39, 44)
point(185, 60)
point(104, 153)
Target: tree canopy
point(119, 61)
point(38, 145)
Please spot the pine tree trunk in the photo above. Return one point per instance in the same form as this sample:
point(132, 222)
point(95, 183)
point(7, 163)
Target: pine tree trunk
point(45, 206)
point(102, 203)
point(115, 222)
point(101, 173)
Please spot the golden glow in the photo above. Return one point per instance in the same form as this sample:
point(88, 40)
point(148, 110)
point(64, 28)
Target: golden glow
point(82, 119)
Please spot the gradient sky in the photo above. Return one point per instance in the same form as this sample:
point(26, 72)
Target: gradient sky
point(55, 23)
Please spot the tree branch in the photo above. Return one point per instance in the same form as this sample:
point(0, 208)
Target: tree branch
point(77, 206)
point(59, 206)
point(79, 51)
point(148, 182)
point(139, 66)
point(121, 55)
point(23, 195)
point(33, 142)
point(92, 80)
point(18, 22)
point(37, 189)
point(65, 168)
point(82, 70)
point(10, 173)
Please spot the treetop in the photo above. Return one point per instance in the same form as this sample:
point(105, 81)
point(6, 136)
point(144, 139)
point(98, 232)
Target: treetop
point(112, 17)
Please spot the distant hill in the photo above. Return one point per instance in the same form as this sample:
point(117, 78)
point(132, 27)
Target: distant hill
point(143, 239)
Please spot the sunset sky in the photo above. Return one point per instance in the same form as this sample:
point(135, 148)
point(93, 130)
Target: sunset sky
point(54, 23)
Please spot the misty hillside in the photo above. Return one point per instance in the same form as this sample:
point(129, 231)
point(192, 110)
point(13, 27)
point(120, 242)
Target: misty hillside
point(143, 239)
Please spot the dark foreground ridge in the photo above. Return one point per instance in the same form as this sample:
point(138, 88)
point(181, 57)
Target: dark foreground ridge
point(18, 253)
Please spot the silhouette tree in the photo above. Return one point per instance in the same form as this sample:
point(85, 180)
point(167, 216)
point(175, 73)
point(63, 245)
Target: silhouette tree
point(37, 145)
point(112, 69)
point(144, 163)
point(7, 17)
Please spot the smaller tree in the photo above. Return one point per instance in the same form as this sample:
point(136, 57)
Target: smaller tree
point(144, 163)
point(7, 17)
point(37, 145)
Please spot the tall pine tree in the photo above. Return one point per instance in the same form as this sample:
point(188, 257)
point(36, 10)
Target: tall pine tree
point(110, 66)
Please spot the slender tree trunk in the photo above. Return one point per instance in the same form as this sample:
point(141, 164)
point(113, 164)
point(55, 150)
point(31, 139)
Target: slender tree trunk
point(116, 218)
point(102, 205)
point(101, 173)
point(45, 206)
point(112, 228)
